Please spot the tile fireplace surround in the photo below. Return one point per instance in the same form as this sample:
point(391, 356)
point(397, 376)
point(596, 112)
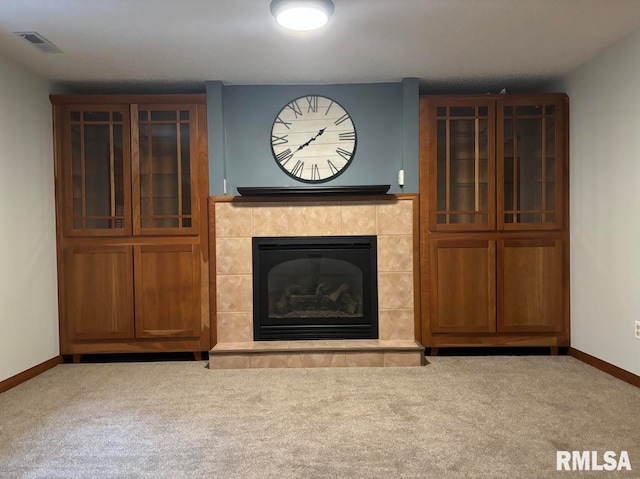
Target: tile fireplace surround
point(392, 218)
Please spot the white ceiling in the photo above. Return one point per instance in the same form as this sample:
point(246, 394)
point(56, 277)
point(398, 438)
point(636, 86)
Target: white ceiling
point(186, 42)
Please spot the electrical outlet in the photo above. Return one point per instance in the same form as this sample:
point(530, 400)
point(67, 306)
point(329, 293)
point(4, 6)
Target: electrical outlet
point(637, 329)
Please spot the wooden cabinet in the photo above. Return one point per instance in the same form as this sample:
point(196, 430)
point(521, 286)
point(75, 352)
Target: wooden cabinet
point(131, 177)
point(97, 292)
point(461, 144)
point(494, 239)
point(495, 163)
point(165, 187)
point(463, 281)
point(128, 169)
point(94, 164)
point(167, 293)
point(532, 133)
point(488, 286)
point(530, 282)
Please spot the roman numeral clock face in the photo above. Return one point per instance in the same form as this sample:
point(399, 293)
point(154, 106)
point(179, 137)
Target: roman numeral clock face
point(313, 139)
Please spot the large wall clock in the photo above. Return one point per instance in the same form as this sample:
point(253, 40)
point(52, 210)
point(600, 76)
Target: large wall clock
point(313, 139)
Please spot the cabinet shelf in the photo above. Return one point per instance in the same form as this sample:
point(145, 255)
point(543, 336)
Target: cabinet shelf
point(460, 158)
point(468, 184)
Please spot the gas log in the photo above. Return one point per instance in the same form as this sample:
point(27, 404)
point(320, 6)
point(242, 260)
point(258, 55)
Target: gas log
point(296, 301)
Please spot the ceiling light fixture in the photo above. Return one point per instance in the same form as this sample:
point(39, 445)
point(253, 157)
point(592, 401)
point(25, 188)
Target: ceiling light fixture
point(302, 15)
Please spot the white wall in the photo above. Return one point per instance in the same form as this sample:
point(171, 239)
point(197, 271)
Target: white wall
point(605, 204)
point(28, 284)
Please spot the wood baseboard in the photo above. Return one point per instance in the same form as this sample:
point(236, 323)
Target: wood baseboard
point(608, 368)
point(30, 373)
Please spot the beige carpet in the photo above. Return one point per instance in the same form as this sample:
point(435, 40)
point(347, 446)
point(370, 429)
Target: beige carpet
point(472, 417)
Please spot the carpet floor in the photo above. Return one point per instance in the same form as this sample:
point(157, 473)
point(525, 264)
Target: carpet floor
point(457, 417)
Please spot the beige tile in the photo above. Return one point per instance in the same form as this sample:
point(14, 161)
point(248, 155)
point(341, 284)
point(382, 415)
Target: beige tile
point(232, 220)
point(395, 253)
point(361, 343)
point(233, 255)
point(395, 290)
point(395, 218)
point(296, 221)
point(338, 360)
point(395, 359)
point(369, 360)
point(408, 344)
point(319, 344)
point(233, 327)
point(233, 346)
point(234, 293)
point(323, 360)
point(229, 361)
point(358, 219)
point(270, 219)
point(396, 324)
point(294, 361)
point(313, 219)
point(268, 360)
point(316, 360)
point(271, 345)
point(403, 344)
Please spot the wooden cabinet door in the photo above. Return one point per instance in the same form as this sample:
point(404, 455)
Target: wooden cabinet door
point(95, 168)
point(461, 157)
point(98, 292)
point(463, 281)
point(165, 160)
point(530, 285)
point(531, 133)
point(167, 291)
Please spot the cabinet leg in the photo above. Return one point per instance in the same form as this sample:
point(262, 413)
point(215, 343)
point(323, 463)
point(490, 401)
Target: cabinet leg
point(197, 355)
point(554, 350)
point(76, 358)
point(434, 351)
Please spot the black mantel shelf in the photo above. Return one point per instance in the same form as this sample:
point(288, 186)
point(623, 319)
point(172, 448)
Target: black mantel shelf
point(312, 190)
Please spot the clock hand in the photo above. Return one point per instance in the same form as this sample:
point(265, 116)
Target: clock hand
point(320, 132)
point(303, 145)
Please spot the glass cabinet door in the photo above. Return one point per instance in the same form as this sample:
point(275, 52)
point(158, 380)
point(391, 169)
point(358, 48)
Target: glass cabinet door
point(462, 185)
point(164, 145)
point(97, 170)
point(530, 153)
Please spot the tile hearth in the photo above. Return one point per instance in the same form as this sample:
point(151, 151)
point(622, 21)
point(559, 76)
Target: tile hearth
point(390, 219)
point(321, 353)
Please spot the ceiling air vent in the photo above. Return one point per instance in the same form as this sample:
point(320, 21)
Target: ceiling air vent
point(39, 41)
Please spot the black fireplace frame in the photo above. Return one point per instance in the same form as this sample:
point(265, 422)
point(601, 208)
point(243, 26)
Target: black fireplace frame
point(344, 247)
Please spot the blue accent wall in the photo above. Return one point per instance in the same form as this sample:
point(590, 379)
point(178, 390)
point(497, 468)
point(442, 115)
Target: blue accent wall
point(239, 128)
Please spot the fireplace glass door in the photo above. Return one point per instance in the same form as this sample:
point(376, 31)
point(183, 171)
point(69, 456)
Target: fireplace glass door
point(315, 288)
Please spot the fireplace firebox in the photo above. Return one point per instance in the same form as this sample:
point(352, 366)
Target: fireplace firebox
point(315, 287)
